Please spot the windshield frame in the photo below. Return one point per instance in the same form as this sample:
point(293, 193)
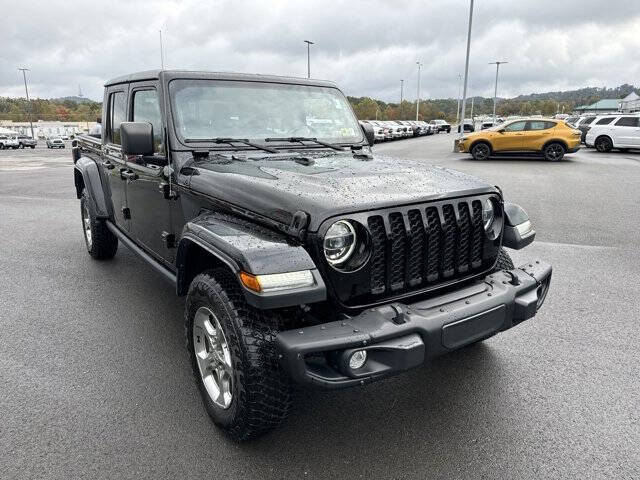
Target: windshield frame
point(210, 145)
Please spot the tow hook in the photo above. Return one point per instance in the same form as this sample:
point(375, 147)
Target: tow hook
point(514, 278)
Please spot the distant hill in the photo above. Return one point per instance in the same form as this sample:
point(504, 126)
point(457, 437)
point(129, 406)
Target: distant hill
point(72, 98)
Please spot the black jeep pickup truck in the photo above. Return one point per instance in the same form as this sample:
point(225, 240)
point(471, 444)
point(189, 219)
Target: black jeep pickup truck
point(304, 256)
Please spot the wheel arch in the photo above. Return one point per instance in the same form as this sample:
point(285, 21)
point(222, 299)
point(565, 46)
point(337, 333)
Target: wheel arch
point(215, 240)
point(482, 140)
point(87, 177)
point(604, 135)
point(556, 140)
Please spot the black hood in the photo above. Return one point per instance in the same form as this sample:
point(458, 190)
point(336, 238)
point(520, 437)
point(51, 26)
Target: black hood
point(331, 184)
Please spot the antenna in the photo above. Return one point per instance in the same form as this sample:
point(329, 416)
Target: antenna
point(79, 91)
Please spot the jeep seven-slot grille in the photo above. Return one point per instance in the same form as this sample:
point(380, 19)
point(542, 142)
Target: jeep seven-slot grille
point(425, 246)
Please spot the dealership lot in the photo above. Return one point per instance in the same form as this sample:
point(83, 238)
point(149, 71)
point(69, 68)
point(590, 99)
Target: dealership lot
point(96, 382)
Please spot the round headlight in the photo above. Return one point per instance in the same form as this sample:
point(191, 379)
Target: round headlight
point(339, 242)
point(488, 214)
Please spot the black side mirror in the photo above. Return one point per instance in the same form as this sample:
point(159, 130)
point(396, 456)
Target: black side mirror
point(369, 134)
point(502, 130)
point(136, 138)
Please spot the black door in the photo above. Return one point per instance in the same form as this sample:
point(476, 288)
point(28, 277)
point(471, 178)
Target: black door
point(148, 188)
point(113, 163)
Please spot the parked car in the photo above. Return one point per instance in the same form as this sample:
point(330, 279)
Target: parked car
point(7, 142)
point(299, 263)
point(621, 131)
point(486, 124)
point(25, 141)
point(397, 131)
point(549, 137)
point(388, 133)
point(584, 124)
point(55, 142)
point(441, 125)
point(64, 137)
point(377, 130)
point(468, 125)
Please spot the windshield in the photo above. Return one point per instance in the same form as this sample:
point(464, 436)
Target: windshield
point(207, 109)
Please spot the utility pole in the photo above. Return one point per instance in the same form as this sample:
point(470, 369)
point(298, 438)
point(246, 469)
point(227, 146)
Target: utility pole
point(161, 52)
point(495, 92)
point(459, 92)
point(466, 69)
point(472, 99)
point(401, 97)
point(418, 99)
point(26, 91)
point(309, 43)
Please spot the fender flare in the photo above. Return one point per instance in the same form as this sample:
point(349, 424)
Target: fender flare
point(241, 245)
point(87, 176)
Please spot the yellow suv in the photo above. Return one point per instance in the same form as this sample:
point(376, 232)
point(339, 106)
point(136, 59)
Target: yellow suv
point(552, 138)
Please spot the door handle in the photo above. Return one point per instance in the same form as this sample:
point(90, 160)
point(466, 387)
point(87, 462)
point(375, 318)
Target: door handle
point(128, 175)
point(108, 165)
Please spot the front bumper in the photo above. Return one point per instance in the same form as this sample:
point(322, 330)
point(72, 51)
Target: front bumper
point(398, 337)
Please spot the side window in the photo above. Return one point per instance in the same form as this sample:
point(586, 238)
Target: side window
point(515, 127)
point(117, 115)
point(605, 121)
point(587, 121)
point(540, 125)
point(627, 122)
point(147, 109)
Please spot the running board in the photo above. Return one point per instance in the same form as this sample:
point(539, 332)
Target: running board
point(166, 274)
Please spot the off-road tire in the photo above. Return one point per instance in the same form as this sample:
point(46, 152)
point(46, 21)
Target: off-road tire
point(21, 146)
point(104, 244)
point(33, 146)
point(504, 261)
point(554, 151)
point(481, 151)
point(603, 144)
point(261, 390)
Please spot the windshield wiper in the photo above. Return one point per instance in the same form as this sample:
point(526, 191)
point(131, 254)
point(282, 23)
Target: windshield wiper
point(231, 141)
point(304, 139)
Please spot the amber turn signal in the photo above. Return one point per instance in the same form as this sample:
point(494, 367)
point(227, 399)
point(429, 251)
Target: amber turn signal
point(250, 281)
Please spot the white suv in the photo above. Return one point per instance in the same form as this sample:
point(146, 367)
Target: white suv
point(614, 131)
point(7, 142)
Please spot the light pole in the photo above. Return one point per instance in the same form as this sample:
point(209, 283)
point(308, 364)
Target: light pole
point(26, 90)
point(466, 69)
point(309, 43)
point(418, 99)
point(401, 96)
point(161, 52)
point(495, 92)
point(459, 91)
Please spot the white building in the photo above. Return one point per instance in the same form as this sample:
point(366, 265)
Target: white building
point(630, 103)
point(45, 128)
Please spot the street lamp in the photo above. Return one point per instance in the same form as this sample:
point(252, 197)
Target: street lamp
point(26, 90)
point(466, 70)
point(459, 94)
point(309, 43)
point(418, 100)
point(495, 92)
point(401, 95)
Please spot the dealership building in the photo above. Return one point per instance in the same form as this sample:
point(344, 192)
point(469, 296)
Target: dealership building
point(44, 128)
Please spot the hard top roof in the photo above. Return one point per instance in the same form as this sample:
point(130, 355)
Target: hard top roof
point(249, 77)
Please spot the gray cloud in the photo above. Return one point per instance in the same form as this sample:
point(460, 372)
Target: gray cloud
point(365, 46)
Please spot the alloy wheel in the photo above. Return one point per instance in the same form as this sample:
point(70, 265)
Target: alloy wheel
point(213, 357)
point(86, 225)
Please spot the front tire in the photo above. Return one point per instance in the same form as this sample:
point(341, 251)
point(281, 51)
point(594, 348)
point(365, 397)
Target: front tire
point(101, 243)
point(480, 151)
point(553, 152)
point(603, 144)
point(233, 356)
point(21, 146)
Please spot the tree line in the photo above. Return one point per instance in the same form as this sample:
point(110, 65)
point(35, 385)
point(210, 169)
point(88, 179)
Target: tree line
point(17, 109)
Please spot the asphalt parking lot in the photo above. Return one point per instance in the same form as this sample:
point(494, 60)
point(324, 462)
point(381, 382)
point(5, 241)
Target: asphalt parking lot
point(95, 380)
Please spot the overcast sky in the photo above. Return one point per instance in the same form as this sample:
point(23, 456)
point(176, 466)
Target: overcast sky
point(364, 46)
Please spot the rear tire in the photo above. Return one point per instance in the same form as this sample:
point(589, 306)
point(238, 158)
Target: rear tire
point(603, 144)
point(481, 151)
point(234, 359)
point(101, 243)
point(553, 152)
